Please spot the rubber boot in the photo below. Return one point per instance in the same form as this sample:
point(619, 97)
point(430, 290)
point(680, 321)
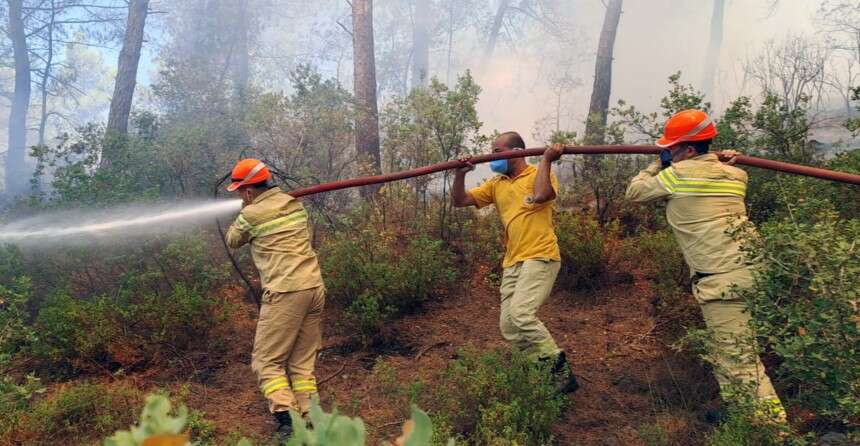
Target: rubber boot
point(563, 377)
point(285, 426)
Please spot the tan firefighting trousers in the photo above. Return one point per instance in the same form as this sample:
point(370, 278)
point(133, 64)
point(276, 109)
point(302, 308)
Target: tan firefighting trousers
point(525, 287)
point(285, 347)
point(736, 363)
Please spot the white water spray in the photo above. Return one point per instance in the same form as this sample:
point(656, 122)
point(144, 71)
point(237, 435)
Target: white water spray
point(115, 224)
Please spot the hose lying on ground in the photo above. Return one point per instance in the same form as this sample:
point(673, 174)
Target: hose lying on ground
point(797, 169)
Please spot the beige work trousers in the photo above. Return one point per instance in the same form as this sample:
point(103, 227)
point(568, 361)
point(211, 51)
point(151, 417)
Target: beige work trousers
point(734, 358)
point(525, 287)
point(286, 343)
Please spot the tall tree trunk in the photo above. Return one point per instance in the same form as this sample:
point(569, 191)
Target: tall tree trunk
point(242, 68)
point(712, 57)
point(493, 38)
point(595, 127)
point(46, 75)
point(17, 174)
point(451, 4)
point(421, 30)
point(367, 113)
point(126, 76)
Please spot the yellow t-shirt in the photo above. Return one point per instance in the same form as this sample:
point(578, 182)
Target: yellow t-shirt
point(529, 233)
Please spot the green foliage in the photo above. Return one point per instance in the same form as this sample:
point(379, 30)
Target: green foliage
point(653, 434)
point(666, 269)
point(805, 308)
point(80, 412)
point(432, 124)
point(741, 427)
point(328, 429)
point(117, 310)
point(649, 126)
point(853, 124)
point(155, 420)
point(132, 330)
point(495, 399)
point(15, 330)
point(15, 396)
point(77, 176)
point(774, 129)
point(304, 134)
point(583, 254)
point(377, 275)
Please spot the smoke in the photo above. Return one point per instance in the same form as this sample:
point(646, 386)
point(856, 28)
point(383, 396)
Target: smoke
point(76, 228)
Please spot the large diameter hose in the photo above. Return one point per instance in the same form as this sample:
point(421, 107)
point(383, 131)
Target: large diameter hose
point(832, 175)
point(797, 169)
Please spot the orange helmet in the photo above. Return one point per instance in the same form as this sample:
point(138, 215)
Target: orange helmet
point(248, 171)
point(687, 125)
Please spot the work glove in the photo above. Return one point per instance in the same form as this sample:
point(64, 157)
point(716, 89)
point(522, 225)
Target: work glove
point(666, 158)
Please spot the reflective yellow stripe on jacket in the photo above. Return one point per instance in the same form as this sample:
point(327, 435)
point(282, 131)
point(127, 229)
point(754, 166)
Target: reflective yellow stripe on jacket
point(273, 226)
point(669, 179)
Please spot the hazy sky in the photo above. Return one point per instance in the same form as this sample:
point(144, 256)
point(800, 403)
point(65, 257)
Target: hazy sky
point(655, 39)
point(520, 91)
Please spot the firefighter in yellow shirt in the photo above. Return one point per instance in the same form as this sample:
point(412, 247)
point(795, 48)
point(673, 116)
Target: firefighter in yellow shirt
point(524, 196)
point(288, 333)
point(705, 207)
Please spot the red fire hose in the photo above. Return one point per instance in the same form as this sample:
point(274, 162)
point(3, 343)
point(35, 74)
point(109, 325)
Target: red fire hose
point(797, 169)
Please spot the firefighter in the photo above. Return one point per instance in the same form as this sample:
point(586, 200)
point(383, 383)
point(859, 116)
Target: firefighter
point(288, 334)
point(705, 208)
point(524, 196)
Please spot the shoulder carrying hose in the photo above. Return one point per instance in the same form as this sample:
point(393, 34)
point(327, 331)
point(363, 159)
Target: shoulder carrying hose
point(797, 169)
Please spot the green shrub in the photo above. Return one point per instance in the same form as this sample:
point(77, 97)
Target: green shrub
point(15, 330)
point(495, 399)
point(15, 395)
point(377, 276)
point(805, 308)
point(581, 241)
point(77, 412)
point(668, 273)
point(76, 335)
point(739, 428)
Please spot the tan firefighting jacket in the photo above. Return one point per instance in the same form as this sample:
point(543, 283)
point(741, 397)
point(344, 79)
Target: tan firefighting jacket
point(705, 207)
point(276, 226)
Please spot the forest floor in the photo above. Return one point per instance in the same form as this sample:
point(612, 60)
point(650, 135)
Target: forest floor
point(635, 390)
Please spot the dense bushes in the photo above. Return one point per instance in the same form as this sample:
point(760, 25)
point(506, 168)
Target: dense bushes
point(581, 241)
point(668, 272)
point(376, 275)
point(108, 333)
point(77, 412)
point(496, 398)
point(122, 318)
point(805, 308)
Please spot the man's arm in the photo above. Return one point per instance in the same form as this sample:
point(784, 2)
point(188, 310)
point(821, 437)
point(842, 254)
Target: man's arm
point(459, 195)
point(239, 233)
point(645, 186)
point(543, 189)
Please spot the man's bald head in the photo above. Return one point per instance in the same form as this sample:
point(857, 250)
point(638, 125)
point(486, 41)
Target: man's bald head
point(509, 141)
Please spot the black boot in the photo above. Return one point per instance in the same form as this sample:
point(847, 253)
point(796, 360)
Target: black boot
point(563, 377)
point(285, 426)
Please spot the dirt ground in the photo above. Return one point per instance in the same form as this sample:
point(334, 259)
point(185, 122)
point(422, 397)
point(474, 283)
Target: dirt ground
point(635, 390)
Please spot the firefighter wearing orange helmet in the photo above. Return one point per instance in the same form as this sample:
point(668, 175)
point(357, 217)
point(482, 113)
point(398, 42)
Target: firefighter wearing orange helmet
point(705, 207)
point(288, 334)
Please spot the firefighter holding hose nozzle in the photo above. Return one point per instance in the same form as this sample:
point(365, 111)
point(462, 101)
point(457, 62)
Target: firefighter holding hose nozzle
point(524, 196)
point(706, 210)
point(288, 334)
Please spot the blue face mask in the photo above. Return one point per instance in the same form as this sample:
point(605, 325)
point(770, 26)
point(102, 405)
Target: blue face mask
point(499, 166)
